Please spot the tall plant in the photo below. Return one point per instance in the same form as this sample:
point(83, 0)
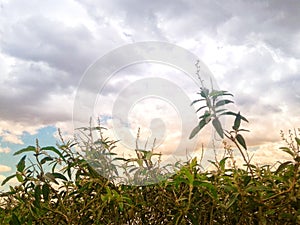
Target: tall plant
point(213, 109)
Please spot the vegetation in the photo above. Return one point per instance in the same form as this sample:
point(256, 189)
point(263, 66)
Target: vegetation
point(60, 185)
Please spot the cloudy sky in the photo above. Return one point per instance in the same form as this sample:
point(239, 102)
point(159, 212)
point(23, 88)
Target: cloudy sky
point(252, 49)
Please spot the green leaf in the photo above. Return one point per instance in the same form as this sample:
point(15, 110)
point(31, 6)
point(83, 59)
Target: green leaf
point(98, 128)
point(223, 102)
point(214, 163)
point(282, 166)
point(206, 116)
point(28, 149)
point(241, 141)
point(204, 92)
point(211, 188)
point(47, 158)
point(37, 196)
point(122, 159)
point(46, 191)
point(201, 108)
point(196, 130)
point(50, 177)
point(21, 164)
point(297, 140)
point(247, 179)
point(215, 93)
point(218, 127)
point(220, 110)
point(7, 179)
point(195, 101)
point(69, 172)
point(14, 220)
point(287, 150)
point(233, 114)
point(243, 130)
point(237, 122)
point(55, 150)
point(19, 177)
point(59, 176)
point(222, 163)
point(232, 200)
point(188, 174)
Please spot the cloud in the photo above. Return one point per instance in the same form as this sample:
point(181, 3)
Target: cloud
point(4, 168)
point(269, 154)
point(4, 149)
point(40, 39)
point(251, 47)
point(12, 131)
point(49, 52)
point(11, 138)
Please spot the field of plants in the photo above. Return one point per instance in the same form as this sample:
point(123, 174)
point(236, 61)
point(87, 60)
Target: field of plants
point(60, 185)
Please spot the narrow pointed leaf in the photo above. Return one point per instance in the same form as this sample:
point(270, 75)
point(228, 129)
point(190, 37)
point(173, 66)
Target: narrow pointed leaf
point(218, 127)
point(234, 114)
point(7, 179)
point(228, 94)
point(47, 158)
point(59, 176)
point(53, 149)
point(98, 128)
point(297, 140)
point(241, 141)
point(37, 196)
point(215, 93)
point(222, 163)
point(287, 150)
point(244, 130)
point(19, 177)
point(204, 92)
point(50, 177)
point(21, 164)
point(282, 166)
point(201, 108)
point(46, 191)
point(27, 149)
point(220, 110)
point(14, 220)
point(214, 163)
point(212, 189)
point(243, 118)
point(237, 122)
point(233, 198)
point(228, 113)
point(196, 130)
point(205, 115)
point(197, 100)
point(223, 102)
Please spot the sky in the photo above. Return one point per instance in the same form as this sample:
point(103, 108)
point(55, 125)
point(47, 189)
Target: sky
point(252, 48)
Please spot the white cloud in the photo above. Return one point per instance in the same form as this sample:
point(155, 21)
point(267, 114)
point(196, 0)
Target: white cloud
point(12, 131)
point(4, 168)
point(5, 149)
point(269, 154)
point(12, 138)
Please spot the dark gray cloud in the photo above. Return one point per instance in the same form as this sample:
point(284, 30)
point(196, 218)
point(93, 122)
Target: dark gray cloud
point(27, 89)
point(43, 40)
